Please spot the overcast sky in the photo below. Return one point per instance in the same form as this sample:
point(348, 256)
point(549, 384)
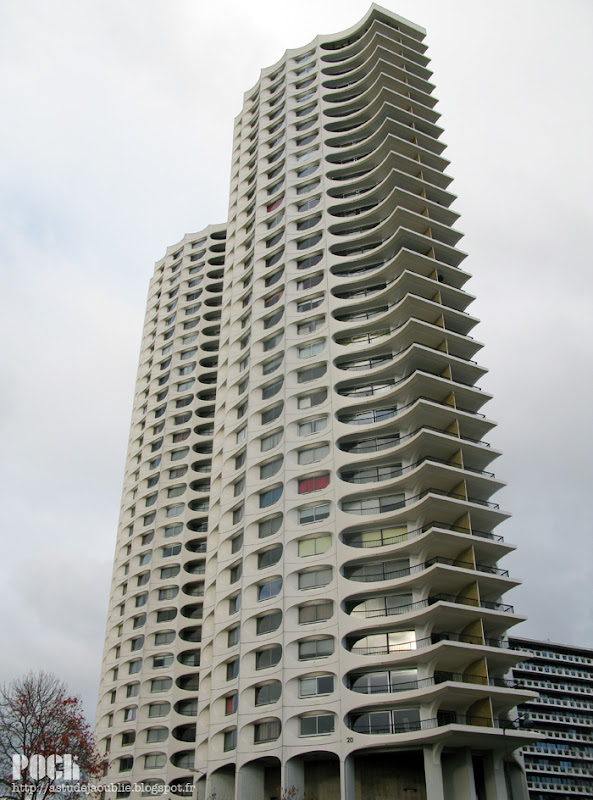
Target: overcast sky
point(116, 140)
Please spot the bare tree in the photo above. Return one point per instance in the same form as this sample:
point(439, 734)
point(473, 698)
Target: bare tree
point(40, 723)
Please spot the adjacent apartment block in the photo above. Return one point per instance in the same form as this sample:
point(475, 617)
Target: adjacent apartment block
point(559, 767)
point(307, 599)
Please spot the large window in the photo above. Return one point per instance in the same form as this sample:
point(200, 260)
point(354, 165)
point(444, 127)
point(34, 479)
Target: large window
point(313, 399)
point(271, 414)
point(316, 648)
point(307, 485)
point(270, 497)
point(374, 505)
point(311, 374)
point(313, 454)
point(312, 687)
point(266, 731)
point(269, 657)
point(314, 578)
point(270, 526)
point(268, 693)
point(316, 612)
point(313, 514)
point(269, 622)
point(317, 725)
point(312, 426)
point(315, 545)
point(269, 557)
point(269, 442)
point(269, 589)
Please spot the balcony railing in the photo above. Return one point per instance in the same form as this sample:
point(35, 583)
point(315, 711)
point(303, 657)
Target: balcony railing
point(435, 638)
point(439, 677)
point(383, 573)
point(430, 601)
point(444, 718)
point(359, 476)
point(383, 541)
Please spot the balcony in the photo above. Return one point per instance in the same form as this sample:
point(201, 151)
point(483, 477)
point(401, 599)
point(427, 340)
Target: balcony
point(382, 572)
point(436, 638)
point(438, 678)
point(407, 608)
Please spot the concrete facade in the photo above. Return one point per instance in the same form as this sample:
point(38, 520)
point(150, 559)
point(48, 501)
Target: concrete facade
point(335, 624)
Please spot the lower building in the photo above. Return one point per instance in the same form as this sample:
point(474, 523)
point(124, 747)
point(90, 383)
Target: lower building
point(560, 766)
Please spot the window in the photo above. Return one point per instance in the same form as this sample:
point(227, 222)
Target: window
point(239, 487)
point(169, 572)
point(272, 364)
point(271, 389)
point(233, 636)
point(171, 550)
point(312, 687)
point(270, 526)
point(236, 543)
point(156, 734)
point(238, 513)
point(317, 725)
point(232, 669)
point(271, 414)
point(134, 666)
point(316, 648)
point(176, 455)
point(312, 455)
point(311, 349)
point(182, 387)
point(268, 657)
point(231, 703)
point(144, 558)
point(269, 557)
point(309, 327)
point(315, 546)
point(266, 731)
point(269, 622)
point(158, 709)
point(308, 204)
point(230, 740)
point(314, 484)
point(314, 399)
point(313, 514)
point(374, 505)
point(176, 491)
point(234, 604)
point(155, 760)
point(312, 374)
point(309, 282)
point(141, 600)
point(270, 497)
point(269, 442)
point(158, 662)
point(310, 304)
point(271, 468)
point(315, 578)
point(312, 426)
point(143, 579)
point(268, 693)
point(305, 188)
point(129, 737)
point(273, 341)
point(269, 589)
point(173, 530)
point(166, 637)
point(166, 614)
point(240, 459)
point(160, 684)
point(236, 572)
point(130, 714)
point(270, 321)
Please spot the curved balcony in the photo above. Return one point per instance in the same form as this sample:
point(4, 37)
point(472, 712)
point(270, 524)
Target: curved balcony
point(439, 677)
point(385, 609)
point(387, 722)
point(393, 647)
point(387, 571)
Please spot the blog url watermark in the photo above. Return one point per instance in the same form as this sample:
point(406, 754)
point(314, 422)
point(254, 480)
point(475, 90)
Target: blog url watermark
point(91, 788)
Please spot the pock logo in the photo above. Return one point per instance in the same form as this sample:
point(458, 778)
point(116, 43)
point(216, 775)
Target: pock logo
point(37, 767)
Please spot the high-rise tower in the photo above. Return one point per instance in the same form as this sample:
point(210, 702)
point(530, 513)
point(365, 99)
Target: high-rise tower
point(306, 593)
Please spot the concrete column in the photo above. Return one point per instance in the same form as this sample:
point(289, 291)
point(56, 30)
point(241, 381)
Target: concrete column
point(250, 782)
point(347, 779)
point(222, 786)
point(293, 774)
point(458, 776)
point(494, 777)
point(433, 772)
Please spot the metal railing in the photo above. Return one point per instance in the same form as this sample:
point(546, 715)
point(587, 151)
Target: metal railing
point(430, 601)
point(383, 541)
point(384, 574)
point(428, 641)
point(438, 678)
